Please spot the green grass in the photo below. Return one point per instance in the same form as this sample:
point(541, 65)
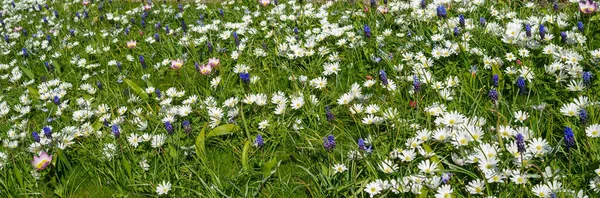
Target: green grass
point(221, 161)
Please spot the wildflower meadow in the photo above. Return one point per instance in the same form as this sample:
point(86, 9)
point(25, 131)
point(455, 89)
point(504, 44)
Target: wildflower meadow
point(299, 98)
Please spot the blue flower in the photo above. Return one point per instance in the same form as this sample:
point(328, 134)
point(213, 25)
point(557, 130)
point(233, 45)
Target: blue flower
point(495, 79)
point(116, 131)
point(416, 84)
point(209, 46)
point(528, 30)
point(482, 21)
point(493, 95)
point(461, 20)
point(245, 77)
point(522, 86)
point(367, 31)
point(583, 116)
point(441, 11)
point(328, 114)
point(236, 39)
point(36, 136)
point(542, 31)
point(383, 77)
point(361, 144)
point(157, 91)
point(25, 54)
point(520, 143)
point(183, 26)
point(156, 37)
point(47, 132)
point(169, 127)
point(569, 138)
point(56, 100)
point(143, 62)
point(580, 26)
point(456, 31)
point(329, 142)
point(186, 126)
point(258, 141)
point(563, 37)
point(587, 78)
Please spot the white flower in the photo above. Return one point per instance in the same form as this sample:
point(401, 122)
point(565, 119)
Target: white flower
point(520, 116)
point(263, 124)
point(593, 131)
point(444, 191)
point(339, 168)
point(570, 109)
point(373, 189)
point(388, 166)
point(134, 140)
point(163, 188)
point(476, 187)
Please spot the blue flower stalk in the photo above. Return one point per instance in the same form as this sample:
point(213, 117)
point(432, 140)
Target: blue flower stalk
point(461, 20)
point(158, 94)
point(143, 62)
point(542, 32)
point(156, 37)
point(563, 37)
point(423, 4)
point(47, 132)
point(493, 94)
point(328, 114)
point(528, 30)
point(495, 79)
point(236, 39)
point(482, 22)
point(522, 86)
point(367, 31)
point(416, 84)
point(245, 77)
point(583, 117)
point(187, 127)
point(456, 31)
point(441, 11)
point(361, 144)
point(580, 26)
point(209, 46)
point(169, 127)
point(587, 78)
point(36, 137)
point(56, 100)
point(569, 138)
point(24, 51)
point(383, 77)
point(116, 131)
point(520, 143)
point(329, 143)
point(259, 141)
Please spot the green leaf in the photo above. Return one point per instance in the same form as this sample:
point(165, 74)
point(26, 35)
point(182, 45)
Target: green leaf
point(595, 18)
point(27, 72)
point(245, 155)
point(268, 167)
point(225, 129)
point(33, 93)
point(97, 125)
point(136, 89)
point(200, 149)
point(19, 177)
point(127, 167)
point(172, 152)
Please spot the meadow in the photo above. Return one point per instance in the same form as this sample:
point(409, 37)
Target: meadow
point(295, 98)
